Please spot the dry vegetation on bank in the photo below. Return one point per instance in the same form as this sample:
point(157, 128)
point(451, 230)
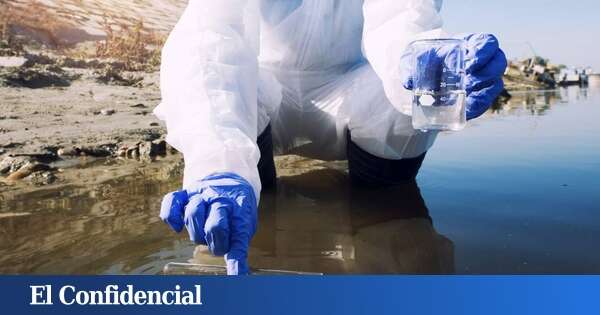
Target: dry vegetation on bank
point(33, 27)
point(137, 47)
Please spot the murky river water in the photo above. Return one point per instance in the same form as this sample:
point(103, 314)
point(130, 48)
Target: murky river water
point(518, 191)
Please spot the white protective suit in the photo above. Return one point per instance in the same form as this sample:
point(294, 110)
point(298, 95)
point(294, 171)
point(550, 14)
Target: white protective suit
point(311, 68)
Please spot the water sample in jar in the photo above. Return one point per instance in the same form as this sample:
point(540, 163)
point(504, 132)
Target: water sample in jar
point(438, 70)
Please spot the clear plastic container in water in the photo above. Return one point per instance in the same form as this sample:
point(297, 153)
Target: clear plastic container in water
point(176, 268)
point(438, 69)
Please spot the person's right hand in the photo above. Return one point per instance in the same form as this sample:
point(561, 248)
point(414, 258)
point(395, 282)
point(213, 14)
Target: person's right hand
point(220, 212)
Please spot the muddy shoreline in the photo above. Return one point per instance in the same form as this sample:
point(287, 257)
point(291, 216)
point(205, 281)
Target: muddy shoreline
point(46, 127)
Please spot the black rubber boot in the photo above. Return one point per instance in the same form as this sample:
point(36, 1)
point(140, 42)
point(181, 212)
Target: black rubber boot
point(266, 164)
point(367, 169)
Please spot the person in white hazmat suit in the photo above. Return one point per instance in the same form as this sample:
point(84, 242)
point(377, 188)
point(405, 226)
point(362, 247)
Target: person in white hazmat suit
point(319, 78)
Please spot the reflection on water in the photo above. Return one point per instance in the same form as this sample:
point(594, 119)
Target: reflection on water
point(318, 222)
point(517, 191)
point(111, 229)
point(537, 102)
point(313, 222)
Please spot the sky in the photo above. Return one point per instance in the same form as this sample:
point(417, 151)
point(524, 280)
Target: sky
point(565, 31)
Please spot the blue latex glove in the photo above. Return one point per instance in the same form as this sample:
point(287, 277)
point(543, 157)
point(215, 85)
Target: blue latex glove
point(485, 64)
point(219, 212)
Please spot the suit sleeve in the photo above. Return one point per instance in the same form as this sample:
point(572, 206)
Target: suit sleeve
point(209, 77)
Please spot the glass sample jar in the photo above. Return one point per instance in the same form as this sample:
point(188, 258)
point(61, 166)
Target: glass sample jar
point(438, 70)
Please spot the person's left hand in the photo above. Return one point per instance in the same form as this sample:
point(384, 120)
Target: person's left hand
point(485, 64)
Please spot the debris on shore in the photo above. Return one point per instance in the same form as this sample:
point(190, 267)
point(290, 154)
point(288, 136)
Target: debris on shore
point(40, 168)
point(35, 77)
point(539, 73)
point(111, 75)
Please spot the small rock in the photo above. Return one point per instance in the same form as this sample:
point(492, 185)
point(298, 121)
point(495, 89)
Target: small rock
point(27, 170)
point(121, 152)
point(126, 149)
point(151, 149)
point(146, 149)
point(42, 178)
point(138, 106)
point(11, 164)
point(154, 124)
point(101, 150)
point(12, 61)
point(133, 152)
point(107, 111)
point(70, 151)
